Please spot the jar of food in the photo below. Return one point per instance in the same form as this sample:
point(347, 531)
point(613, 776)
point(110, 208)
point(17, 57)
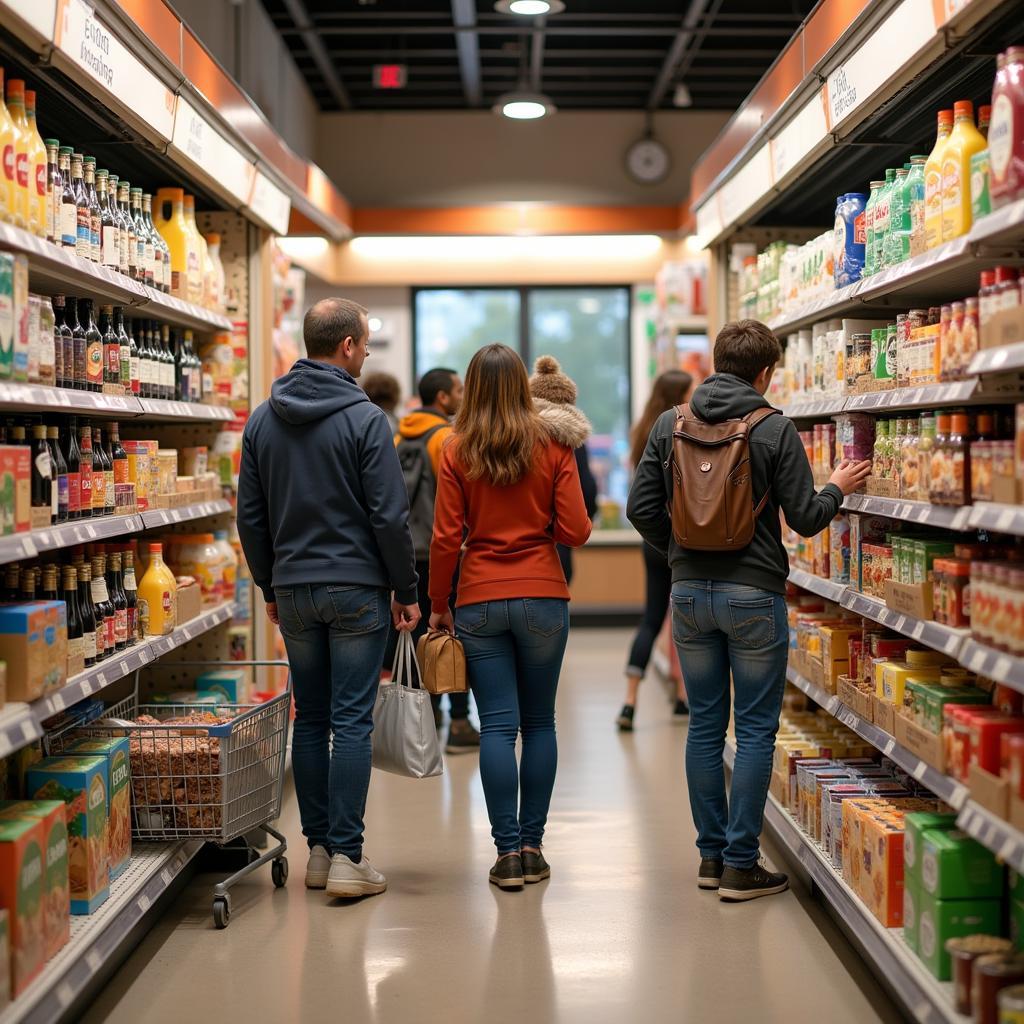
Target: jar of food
point(1003, 461)
point(981, 470)
point(910, 469)
point(986, 296)
point(1001, 597)
point(896, 465)
point(963, 951)
point(1007, 291)
point(1015, 640)
point(167, 471)
point(1011, 1005)
point(958, 447)
point(992, 973)
point(952, 343)
point(939, 590)
point(862, 356)
point(945, 327)
point(958, 578)
point(1006, 147)
point(970, 339)
point(976, 601)
point(878, 464)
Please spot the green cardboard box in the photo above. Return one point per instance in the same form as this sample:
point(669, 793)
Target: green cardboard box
point(914, 825)
point(1017, 923)
point(939, 920)
point(117, 752)
point(956, 867)
point(911, 908)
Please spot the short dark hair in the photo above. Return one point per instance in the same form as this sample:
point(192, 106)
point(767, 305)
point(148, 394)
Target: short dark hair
point(744, 348)
point(383, 390)
point(433, 382)
point(328, 323)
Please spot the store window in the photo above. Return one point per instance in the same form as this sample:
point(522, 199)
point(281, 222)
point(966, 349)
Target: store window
point(585, 328)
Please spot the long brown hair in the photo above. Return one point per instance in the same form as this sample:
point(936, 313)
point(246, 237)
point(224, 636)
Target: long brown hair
point(669, 389)
point(497, 429)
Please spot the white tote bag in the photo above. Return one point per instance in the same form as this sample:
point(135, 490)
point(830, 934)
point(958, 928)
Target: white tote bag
point(404, 736)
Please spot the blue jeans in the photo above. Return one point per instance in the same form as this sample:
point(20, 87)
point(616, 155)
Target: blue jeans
point(718, 627)
point(514, 652)
point(335, 638)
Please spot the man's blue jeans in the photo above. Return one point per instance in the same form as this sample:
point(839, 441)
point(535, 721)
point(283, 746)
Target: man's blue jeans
point(717, 627)
point(335, 638)
point(514, 652)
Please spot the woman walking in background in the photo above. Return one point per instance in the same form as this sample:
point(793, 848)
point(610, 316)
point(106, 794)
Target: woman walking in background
point(513, 492)
point(672, 388)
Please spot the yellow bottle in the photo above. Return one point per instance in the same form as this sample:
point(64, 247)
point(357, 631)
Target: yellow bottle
point(169, 218)
point(962, 144)
point(933, 183)
point(36, 169)
point(7, 182)
point(16, 108)
point(195, 256)
point(158, 596)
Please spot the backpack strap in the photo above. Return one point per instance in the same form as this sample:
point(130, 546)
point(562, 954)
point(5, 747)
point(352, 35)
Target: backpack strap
point(752, 419)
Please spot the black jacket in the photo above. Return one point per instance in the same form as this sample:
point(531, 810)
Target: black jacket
point(321, 497)
point(779, 467)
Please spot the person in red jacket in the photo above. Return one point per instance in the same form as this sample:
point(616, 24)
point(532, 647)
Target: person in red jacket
point(514, 493)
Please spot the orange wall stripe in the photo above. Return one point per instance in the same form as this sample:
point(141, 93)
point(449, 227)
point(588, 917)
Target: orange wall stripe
point(160, 24)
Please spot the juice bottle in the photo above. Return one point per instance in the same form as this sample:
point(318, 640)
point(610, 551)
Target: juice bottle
point(962, 144)
point(7, 179)
point(1006, 147)
point(883, 209)
point(169, 218)
point(196, 255)
point(896, 243)
point(16, 108)
point(217, 291)
point(37, 173)
point(158, 596)
point(933, 183)
point(915, 192)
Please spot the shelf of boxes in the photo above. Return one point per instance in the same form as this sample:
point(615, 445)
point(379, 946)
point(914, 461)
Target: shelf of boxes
point(816, 585)
point(23, 723)
point(931, 634)
point(98, 938)
point(929, 1001)
point(922, 512)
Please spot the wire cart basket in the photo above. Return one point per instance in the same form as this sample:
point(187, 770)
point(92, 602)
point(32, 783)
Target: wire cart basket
point(216, 773)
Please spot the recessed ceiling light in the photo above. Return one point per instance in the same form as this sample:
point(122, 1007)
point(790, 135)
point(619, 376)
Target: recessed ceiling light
point(524, 106)
point(529, 8)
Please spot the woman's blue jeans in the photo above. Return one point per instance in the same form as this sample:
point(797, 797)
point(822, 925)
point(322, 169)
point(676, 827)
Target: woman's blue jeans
point(514, 652)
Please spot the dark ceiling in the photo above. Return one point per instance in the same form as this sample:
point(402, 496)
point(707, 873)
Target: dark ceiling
point(595, 55)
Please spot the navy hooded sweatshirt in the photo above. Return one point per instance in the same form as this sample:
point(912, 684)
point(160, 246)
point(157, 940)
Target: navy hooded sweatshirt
point(779, 468)
point(321, 496)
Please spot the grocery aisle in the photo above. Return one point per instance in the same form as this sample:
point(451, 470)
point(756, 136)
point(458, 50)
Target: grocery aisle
point(621, 931)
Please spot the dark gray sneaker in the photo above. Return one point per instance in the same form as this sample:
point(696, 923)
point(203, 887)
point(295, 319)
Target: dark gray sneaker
point(507, 872)
point(740, 884)
point(462, 738)
point(710, 873)
point(625, 719)
point(535, 867)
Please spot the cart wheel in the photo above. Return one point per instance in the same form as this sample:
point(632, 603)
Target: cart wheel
point(279, 872)
point(221, 912)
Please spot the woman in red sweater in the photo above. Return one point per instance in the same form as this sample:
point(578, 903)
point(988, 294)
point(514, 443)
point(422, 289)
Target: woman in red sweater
point(513, 493)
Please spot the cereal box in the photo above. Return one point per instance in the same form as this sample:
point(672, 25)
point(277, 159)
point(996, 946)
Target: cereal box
point(56, 896)
point(232, 683)
point(882, 884)
point(34, 646)
point(940, 920)
point(81, 782)
point(116, 750)
point(21, 891)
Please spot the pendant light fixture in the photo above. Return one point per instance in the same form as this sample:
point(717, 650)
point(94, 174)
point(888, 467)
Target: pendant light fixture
point(524, 105)
point(530, 8)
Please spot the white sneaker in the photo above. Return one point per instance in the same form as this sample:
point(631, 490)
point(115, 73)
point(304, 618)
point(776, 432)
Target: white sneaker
point(348, 879)
point(317, 868)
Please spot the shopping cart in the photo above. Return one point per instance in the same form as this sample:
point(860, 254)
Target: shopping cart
point(216, 774)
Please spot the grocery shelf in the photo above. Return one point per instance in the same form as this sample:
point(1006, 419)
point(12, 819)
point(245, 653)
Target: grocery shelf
point(997, 665)
point(160, 409)
point(986, 515)
point(25, 724)
point(86, 531)
point(811, 408)
point(43, 398)
point(816, 585)
point(54, 269)
point(931, 634)
point(994, 834)
point(947, 518)
point(998, 360)
point(928, 1001)
point(98, 939)
point(950, 393)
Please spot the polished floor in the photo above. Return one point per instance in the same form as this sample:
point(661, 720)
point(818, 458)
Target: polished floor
point(619, 934)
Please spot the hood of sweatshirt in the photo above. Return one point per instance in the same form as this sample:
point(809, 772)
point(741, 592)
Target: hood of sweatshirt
point(724, 396)
point(312, 391)
point(563, 423)
point(417, 423)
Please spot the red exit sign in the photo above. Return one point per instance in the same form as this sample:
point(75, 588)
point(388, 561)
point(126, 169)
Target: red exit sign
point(389, 76)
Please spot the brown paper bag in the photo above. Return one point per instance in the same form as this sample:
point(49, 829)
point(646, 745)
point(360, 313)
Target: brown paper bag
point(442, 662)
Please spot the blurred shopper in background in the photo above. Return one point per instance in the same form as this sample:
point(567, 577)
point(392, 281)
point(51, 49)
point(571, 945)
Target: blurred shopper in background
point(554, 397)
point(670, 389)
point(385, 392)
point(327, 558)
point(420, 439)
point(510, 493)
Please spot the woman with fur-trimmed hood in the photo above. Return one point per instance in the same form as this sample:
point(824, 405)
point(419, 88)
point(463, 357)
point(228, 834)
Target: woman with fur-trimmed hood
point(554, 398)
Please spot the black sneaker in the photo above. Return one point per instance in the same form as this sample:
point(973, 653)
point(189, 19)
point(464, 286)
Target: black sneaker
point(625, 719)
point(535, 867)
point(710, 873)
point(739, 884)
point(462, 737)
point(681, 710)
point(507, 872)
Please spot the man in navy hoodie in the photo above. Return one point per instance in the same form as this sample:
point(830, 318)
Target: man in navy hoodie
point(323, 520)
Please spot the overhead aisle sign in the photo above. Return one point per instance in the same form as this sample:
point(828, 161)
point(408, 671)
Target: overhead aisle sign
point(39, 15)
point(270, 204)
point(203, 145)
point(94, 48)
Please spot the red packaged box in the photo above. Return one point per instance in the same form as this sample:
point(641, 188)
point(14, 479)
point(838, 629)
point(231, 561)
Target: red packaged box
point(1008, 700)
point(1013, 762)
point(956, 729)
point(986, 734)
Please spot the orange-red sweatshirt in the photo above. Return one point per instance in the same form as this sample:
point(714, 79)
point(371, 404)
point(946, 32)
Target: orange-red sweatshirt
point(511, 531)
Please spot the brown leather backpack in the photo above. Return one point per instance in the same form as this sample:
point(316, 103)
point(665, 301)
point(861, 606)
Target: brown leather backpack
point(712, 496)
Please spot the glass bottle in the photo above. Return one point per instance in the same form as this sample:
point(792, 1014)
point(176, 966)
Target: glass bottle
point(83, 237)
point(959, 447)
point(113, 198)
point(118, 455)
point(181, 369)
point(53, 190)
point(87, 611)
point(108, 470)
point(37, 173)
point(85, 471)
point(99, 476)
point(105, 607)
point(73, 457)
point(147, 372)
point(93, 347)
point(926, 446)
point(48, 585)
point(19, 150)
point(130, 242)
point(933, 182)
point(166, 364)
point(42, 471)
point(74, 617)
point(133, 352)
point(80, 346)
point(95, 219)
point(964, 141)
point(59, 340)
point(157, 596)
point(111, 347)
point(60, 471)
point(197, 253)
point(124, 351)
point(110, 243)
point(217, 298)
point(154, 250)
point(12, 574)
point(67, 204)
point(115, 589)
point(27, 592)
point(910, 475)
point(8, 180)
point(197, 379)
point(131, 592)
point(143, 273)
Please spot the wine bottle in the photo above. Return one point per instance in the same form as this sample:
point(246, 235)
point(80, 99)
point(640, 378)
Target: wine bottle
point(115, 589)
point(88, 613)
point(131, 593)
point(49, 591)
point(73, 457)
point(124, 351)
point(42, 471)
point(80, 345)
point(74, 617)
point(86, 470)
point(111, 347)
point(94, 347)
point(105, 609)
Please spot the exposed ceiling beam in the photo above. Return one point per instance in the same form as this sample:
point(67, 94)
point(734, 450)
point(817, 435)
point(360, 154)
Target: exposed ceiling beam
point(686, 36)
point(468, 44)
point(632, 29)
point(537, 56)
point(298, 13)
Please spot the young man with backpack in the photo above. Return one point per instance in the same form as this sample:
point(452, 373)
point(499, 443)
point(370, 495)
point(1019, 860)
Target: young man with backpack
point(420, 440)
point(707, 493)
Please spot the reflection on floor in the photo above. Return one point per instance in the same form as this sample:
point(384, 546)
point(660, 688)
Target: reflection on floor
point(620, 933)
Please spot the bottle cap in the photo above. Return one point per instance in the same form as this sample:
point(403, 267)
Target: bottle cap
point(945, 117)
point(30, 99)
point(212, 238)
point(963, 108)
point(156, 549)
point(15, 89)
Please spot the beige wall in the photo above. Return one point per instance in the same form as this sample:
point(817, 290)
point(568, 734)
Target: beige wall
point(465, 158)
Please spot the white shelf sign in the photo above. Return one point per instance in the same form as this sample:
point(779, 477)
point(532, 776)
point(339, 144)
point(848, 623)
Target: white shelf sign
point(201, 143)
point(39, 15)
point(94, 48)
point(270, 204)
